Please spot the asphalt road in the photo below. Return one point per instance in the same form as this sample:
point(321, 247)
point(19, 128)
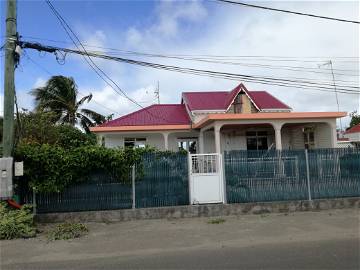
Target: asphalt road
point(342, 254)
point(311, 240)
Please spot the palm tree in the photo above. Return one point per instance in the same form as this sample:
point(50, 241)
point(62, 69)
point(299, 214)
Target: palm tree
point(59, 96)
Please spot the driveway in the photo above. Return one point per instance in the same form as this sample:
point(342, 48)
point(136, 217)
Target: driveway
point(303, 240)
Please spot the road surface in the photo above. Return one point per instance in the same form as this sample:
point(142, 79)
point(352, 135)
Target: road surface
point(307, 240)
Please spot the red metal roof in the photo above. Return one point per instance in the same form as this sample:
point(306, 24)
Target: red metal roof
point(354, 129)
point(265, 100)
point(221, 100)
point(159, 114)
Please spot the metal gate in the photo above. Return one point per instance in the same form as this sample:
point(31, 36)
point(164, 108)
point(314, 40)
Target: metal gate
point(206, 179)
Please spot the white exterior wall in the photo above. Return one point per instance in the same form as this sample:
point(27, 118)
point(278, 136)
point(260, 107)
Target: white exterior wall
point(353, 137)
point(323, 137)
point(117, 140)
point(235, 139)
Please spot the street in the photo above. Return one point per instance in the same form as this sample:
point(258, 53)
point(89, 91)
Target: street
point(304, 240)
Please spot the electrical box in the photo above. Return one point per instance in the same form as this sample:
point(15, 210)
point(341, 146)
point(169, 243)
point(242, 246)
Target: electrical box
point(19, 168)
point(6, 176)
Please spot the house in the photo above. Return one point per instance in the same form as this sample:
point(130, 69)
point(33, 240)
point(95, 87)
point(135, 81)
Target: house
point(353, 135)
point(217, 121)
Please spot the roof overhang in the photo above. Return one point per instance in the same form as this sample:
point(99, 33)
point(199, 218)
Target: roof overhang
point(140, 128)
point(268, 116)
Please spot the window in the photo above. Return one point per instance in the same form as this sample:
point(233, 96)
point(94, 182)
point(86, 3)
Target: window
point(309, 138)
point(256, 140)
point(188, 144)
point(135, 142)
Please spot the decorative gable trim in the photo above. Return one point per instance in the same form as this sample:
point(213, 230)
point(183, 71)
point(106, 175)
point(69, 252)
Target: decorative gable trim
point(242, 88)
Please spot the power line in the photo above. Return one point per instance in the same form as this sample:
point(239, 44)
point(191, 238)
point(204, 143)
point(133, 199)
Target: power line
point(209, 73)
point(217, 57)
point(270, 57)
point(51, 74)
point(93, 65)
point(288, 11)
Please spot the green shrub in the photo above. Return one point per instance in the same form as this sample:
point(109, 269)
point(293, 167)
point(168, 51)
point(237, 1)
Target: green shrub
point(216, 221)
point(67, 231)
point(16, 223)
point(51, 168)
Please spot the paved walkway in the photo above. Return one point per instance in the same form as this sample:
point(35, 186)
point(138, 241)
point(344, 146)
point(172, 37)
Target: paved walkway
point(302, 240)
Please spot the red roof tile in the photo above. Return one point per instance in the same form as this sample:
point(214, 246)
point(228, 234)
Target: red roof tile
point(159, 114)
point(221, 100)
point(354, 129)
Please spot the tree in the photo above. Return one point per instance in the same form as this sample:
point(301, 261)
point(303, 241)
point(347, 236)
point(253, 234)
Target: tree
point(60, 96)
point(39, 128)
point(355, 119)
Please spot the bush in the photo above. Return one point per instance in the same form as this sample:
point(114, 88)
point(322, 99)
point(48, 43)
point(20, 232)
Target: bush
point(17, 223)
point(39, 127)
point(51, 168)
point(67, 231)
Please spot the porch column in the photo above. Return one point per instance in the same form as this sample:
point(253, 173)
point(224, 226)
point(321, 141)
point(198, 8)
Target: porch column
point(278, 143)
point(217, 139)
point(166, 140)
point(201, 142)
point(333, 135)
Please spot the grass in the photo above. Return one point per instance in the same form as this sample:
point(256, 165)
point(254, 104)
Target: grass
point(66, 231)
point(216, 221)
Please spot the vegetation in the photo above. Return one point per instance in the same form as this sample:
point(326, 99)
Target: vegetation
point(16, 223)
point(39, 128)
point(216, 221)
point(355, 119)
point(66, 231)
point(51, 168)
point(60, 96)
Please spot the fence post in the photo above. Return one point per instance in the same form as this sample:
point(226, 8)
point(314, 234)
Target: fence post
point(133, 186)
point(34, 200)
point(308, 174)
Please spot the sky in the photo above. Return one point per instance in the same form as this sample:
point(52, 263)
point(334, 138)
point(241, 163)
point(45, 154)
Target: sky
point(190, 28)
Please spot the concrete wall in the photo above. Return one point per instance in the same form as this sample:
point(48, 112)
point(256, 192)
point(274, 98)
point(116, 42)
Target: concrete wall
point(209, 210)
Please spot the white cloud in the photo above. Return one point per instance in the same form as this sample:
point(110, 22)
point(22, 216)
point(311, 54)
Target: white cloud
point(40, 82)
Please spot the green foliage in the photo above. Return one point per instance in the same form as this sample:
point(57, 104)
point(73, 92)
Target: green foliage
point(216, 221)
point(66, 231)
point(17, 223)
point(355, 119)
point(60, 96)
point(39, 127)
point(51, 168)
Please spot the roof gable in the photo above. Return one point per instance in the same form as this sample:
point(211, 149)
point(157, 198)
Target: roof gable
point(222, 100)
point(158, 114)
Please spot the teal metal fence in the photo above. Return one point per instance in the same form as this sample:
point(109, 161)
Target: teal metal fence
point(255, 176)
point(334, 173)
point(164, 181)
point(161, 180)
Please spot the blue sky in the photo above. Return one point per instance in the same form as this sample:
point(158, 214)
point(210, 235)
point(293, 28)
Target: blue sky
point(187, 27)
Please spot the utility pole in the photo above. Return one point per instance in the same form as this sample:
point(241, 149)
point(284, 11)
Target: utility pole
point(9, 84)
point(329, 63)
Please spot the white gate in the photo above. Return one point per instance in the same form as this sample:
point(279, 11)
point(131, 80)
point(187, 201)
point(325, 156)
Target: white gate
point(206, 179)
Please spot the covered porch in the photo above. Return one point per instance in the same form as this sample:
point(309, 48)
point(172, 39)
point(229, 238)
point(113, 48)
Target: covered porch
point(218, 134)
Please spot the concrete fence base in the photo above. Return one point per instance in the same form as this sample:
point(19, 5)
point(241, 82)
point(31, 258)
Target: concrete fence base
point(208, 210)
